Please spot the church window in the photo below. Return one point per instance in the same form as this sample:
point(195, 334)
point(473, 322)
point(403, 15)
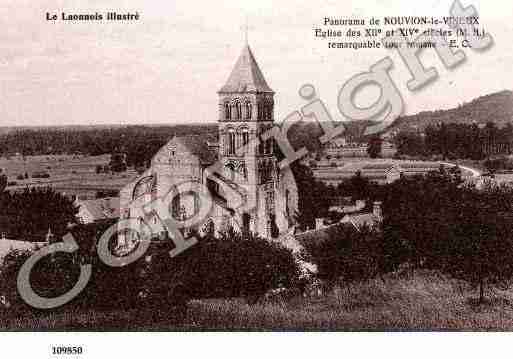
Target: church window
point(143, 187)
point(249, 109)
point(268, 110)
point(266, 172)
point(269, 146)
point(260, 111)
point(209, 227)
point(269, 202)
point(227, 112)
point(230, 171)
point(231, 142)
point(246, 220)
point(238, 110)
point(176, 207)
point(197, 202)
point(183, 213)
point(245, 137)
point(287, 209)
point(233, 111)
point(213, 187)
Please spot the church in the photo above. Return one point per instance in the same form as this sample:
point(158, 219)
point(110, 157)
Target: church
point(249, 191)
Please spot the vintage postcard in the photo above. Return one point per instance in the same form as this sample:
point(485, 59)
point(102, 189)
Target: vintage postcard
point(238, 166)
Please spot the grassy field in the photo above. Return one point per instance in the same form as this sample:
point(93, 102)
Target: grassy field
point(426, 301)
point(66, 171)
point(55, 165)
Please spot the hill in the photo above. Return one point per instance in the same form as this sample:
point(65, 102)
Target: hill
point(496, 107)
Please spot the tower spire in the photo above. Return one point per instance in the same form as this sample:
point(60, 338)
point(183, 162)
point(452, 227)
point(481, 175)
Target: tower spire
point(246, 76)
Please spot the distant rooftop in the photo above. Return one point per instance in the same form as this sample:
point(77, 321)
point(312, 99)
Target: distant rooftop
point(102, 208)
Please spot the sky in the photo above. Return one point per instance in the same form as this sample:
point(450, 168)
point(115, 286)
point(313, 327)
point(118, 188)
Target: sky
point(167, 67)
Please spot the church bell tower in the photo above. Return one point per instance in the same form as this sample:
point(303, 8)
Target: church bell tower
point(246, 111)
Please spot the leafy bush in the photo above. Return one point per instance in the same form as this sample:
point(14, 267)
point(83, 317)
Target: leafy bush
point(11, 265)
point(3, 182)
point(30, 213)
point(498, 164)
point(231, 266)
point(345, 254)
point(40, 175)
point(51, 277)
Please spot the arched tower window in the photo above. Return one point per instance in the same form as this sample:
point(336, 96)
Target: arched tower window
point(261, 145)
point(249, 109)
point(266, 169)
point(269, 146)
point(227, 112)
point(238, 110)
point(245, 137)
point(230, 142)
point(260, 110)
point(268, 110)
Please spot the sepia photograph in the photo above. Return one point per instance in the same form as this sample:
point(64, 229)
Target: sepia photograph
point(242, 167)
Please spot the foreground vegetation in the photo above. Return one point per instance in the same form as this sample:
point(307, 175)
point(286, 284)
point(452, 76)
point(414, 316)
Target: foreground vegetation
point(424, 301)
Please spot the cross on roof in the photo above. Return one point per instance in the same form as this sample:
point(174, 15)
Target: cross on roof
point(246, 29)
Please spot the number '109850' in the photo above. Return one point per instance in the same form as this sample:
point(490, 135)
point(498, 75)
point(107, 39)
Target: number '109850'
point(67, 350)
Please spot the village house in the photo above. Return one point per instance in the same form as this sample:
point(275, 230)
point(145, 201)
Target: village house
point(370, 220)
point(344, 147)
point(95, 210)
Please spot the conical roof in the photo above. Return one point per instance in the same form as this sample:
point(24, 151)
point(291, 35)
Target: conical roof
point(246, 75)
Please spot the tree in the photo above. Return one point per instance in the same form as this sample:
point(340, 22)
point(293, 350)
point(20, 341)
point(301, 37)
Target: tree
point(12, 263)
point(237, 265)
point(357, 187)
point(310, 199)
point(481, 248)
point(345, 254)
point(117, 162)
point(35, 210)
point(420, 214)
point(409, 143)
point(435, 222)
point(3, 181)
point(374, 147)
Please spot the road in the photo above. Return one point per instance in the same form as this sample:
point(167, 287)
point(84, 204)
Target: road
point(475, 173)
